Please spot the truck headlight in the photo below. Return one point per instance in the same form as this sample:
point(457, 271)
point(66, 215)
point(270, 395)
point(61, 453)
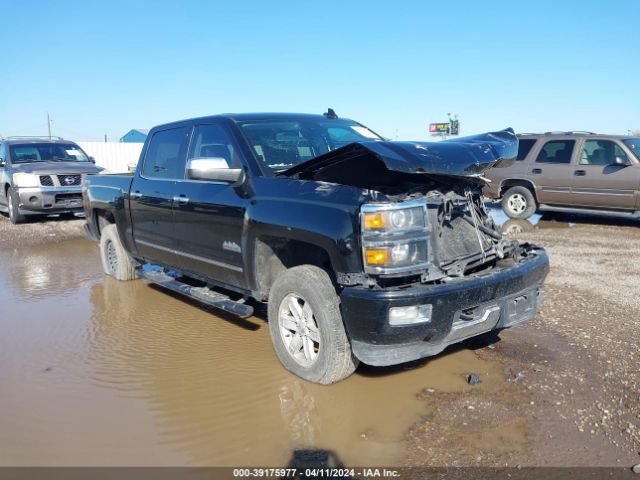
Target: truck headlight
point(395, 237)
point(387, 221)
point(26, 180)
point(397, 254)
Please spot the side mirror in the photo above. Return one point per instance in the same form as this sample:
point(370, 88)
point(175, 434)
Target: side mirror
point(214, 170)
point(2, 162)
point(92, 160)
point(622, 161)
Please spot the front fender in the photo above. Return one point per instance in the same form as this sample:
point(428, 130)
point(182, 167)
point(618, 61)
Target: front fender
point(327, 228)
point(322, 215)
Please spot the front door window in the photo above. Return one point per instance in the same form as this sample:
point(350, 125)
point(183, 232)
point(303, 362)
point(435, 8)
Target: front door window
point(602, 152)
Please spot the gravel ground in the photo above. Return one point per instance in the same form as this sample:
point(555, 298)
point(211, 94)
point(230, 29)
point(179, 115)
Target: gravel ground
point(573, 382)
point(39, 231)
point(592, 302)
point(571, 390)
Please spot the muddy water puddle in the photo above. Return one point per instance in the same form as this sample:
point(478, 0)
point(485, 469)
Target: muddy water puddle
point(99, 372)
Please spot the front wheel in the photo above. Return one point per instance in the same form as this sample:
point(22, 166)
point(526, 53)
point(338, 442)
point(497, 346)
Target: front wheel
point(12, 205)
point(518, 202)
point(116, 262)
point(306, 326)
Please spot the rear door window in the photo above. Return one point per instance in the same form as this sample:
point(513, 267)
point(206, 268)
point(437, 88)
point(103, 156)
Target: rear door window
point(524, 147)
point(556, 151)
point(601, 152)
point(166, 153)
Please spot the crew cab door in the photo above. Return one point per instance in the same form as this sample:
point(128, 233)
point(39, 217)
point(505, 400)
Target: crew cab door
point(605, 176)
point(152, 192)
point(209, 216)
point(552, 171)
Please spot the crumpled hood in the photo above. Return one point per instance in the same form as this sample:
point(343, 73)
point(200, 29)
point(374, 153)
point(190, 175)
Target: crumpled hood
point(466, 156)
point(55, 167)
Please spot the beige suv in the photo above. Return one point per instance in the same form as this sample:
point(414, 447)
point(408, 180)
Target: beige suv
point(570, 172)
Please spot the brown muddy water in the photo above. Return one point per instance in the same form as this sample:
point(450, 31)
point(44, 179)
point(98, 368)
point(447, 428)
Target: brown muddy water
point(99, 372)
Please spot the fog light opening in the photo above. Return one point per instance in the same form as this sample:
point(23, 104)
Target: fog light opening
point(33, 199)
point(410, 315)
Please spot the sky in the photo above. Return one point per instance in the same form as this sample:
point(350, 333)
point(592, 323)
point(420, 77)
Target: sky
point(103, 68)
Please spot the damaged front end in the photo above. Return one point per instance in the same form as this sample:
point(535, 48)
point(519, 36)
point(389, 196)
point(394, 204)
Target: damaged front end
point(444, 234)
point(436, 271)
point(427, 221)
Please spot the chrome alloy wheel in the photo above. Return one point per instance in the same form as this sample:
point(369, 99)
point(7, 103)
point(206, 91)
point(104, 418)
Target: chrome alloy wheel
point(517, 203)
point(299, 329)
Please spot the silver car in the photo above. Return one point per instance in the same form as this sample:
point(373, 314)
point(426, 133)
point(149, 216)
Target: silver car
point(42, 176)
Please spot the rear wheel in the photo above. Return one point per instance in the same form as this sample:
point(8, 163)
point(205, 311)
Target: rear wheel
point(306, 326)
point(12, 204)
point(116, 262)
point(518, 202)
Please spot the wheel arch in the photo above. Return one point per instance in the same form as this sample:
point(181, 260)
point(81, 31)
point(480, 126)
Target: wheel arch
point(518, 182)
point(273, 255)
point(99, 219)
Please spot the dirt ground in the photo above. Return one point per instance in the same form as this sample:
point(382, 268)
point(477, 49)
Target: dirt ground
point(573, 382)
point(38, 231)
point(562, 390)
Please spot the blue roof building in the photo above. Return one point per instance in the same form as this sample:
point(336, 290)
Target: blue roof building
point(137, 135)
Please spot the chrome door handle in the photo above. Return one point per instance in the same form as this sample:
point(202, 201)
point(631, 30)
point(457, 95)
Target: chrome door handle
point(580, 173)
point(536, 171)
point(181, 199)
point(136, 195)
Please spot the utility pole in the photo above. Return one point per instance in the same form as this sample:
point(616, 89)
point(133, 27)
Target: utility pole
point(49, 124)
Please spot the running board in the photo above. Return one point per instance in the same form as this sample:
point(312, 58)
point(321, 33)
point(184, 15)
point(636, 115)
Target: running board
point(201, 294)
point(590, 211)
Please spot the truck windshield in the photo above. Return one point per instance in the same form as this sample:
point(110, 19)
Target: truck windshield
point(634, 146)
point(47, 152)
point(282, 144)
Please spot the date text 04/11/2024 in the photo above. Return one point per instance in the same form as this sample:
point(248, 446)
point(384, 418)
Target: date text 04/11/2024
point(314, 473)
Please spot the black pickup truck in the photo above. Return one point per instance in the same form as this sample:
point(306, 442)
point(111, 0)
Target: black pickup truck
point(365, 249)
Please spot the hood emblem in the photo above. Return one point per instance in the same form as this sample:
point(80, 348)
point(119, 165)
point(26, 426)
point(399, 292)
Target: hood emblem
point(69, 180)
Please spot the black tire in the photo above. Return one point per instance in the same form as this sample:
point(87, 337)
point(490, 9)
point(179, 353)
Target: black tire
point(333, 358)
point(519, 202)
point(12, 204)
point(116, 262)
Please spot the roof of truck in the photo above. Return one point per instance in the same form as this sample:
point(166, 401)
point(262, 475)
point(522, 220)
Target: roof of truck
point(572, 135)
point(30, 140)
point(259, 116)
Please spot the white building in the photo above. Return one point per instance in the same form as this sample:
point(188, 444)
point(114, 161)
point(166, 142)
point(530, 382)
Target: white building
point(116, 157)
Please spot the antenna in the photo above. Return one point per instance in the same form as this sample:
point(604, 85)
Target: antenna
point(49, 122)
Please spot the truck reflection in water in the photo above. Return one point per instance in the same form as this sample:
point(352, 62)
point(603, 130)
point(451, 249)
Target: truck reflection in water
point(99, 372)
point(514, 226)
point(50, 270)
point(219, 395)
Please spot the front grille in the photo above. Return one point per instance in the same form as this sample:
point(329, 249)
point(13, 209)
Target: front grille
point(69, 180)
point(46, 181)
point(68, 198)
